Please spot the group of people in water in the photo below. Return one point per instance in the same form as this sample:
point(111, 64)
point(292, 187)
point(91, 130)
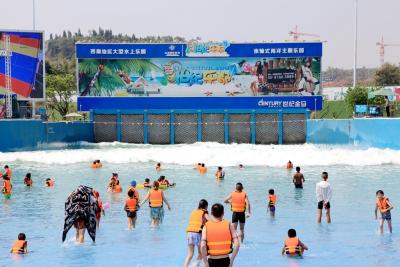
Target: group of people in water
point(216, 239)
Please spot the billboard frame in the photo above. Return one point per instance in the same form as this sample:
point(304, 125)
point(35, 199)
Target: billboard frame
point(44, 98)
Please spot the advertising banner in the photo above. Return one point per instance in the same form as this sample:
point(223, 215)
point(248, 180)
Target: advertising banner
point(22, 59)
point(199, 77)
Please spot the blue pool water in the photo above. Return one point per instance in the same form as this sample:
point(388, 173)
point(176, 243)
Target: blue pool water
point(351, 240)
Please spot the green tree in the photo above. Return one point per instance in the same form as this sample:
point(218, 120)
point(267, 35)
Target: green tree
point(388, 74)
point(356, 96)
point(59, 90)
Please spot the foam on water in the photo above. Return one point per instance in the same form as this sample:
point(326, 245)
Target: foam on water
point(211, 153)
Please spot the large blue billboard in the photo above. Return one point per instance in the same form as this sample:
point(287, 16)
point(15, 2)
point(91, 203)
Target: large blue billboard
point(205, 70)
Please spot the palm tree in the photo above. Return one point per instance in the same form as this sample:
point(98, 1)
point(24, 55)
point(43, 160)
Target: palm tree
point(103, 74)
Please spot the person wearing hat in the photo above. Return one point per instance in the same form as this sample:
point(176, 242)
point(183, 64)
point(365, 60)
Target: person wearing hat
point(132, 187)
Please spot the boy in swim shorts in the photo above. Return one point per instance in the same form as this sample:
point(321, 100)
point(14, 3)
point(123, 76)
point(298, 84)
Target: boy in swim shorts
point(384, 206)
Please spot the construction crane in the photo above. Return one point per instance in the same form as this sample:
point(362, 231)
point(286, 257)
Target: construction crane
point(296, 34)
point(382, 46)
point(7, 53)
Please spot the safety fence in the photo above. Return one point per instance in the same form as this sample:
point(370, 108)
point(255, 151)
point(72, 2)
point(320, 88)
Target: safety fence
point(190, 126)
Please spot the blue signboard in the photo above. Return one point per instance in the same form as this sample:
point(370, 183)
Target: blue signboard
point(198, 50)
point(200, 103)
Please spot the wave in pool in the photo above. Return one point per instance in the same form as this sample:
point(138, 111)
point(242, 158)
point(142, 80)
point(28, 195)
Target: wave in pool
point(212, 154)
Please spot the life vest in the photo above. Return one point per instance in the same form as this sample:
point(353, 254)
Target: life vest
point(156, 199)
point(135, 192)
point(7, 187)
point(117, 189)
point(203, 170)
point(382, 204)
point(50, 183)
point(19, 247)
point(196, 221)
point(93, 166)
point(292, 246)
point(219, 238)
point(131, 204)
point(271, 200)
point(238, 203)
point(9, 173)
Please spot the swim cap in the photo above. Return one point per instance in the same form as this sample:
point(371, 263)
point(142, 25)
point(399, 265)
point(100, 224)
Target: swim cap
point(133, 183)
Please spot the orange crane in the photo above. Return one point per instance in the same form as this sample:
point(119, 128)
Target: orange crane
point(296, 34)
point(382, 46)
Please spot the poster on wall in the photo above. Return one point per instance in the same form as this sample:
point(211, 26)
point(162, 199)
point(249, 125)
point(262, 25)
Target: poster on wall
point(22, 63)
point(199, 77)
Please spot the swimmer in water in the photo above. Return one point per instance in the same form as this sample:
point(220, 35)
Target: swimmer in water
point(220, 173)
point(99, 164)
point(384, 206)
point(156, 199)
point(20, 246)
point(289, 165)
point(239, 205)
point(117, 187)
point(241, 166)
point(49, 182)
point(293, 246)
point(28, 180)
point(203, 169)
point(158, 167)
point(197, 219)
point(132, 188)
point(6, 188)
point(131, 206)
point(198, 166)
point(271, 202)
point(8, 171)
point(146, 183)
point(298, 179)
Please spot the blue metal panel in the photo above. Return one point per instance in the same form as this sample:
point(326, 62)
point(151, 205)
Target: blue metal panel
point(172, 127)
point(280, 128)
point(204, 103)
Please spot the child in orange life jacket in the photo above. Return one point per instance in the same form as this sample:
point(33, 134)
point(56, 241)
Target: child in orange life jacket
point(203, 169)
point(131, 206)
point(197, 219)
point(384, 206)
point(6, 188)
point(271, 202)
point(20, 246)
point(117, 188)
point(49, 182)
point(293, 246)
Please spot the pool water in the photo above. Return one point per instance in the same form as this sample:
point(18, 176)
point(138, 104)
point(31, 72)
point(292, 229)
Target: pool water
point(352, 239)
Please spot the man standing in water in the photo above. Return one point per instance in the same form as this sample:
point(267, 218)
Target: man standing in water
point(298, 179)
point(219, 239)
point(323, 191)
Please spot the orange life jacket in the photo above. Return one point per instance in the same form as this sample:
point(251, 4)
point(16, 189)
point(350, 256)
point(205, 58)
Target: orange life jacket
point(292, 246)
point(93, 166)
point(382, 204)
point(117, 189)
point(156, 199)
point(196, 221)
point(238, 203)
point(203, 170)
point(131, 204)
point(19, 247)
point(219, 238)
point(9, 173)
point(135, 192)
point(271, 200)
point(50, 183)
point(7, 187)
